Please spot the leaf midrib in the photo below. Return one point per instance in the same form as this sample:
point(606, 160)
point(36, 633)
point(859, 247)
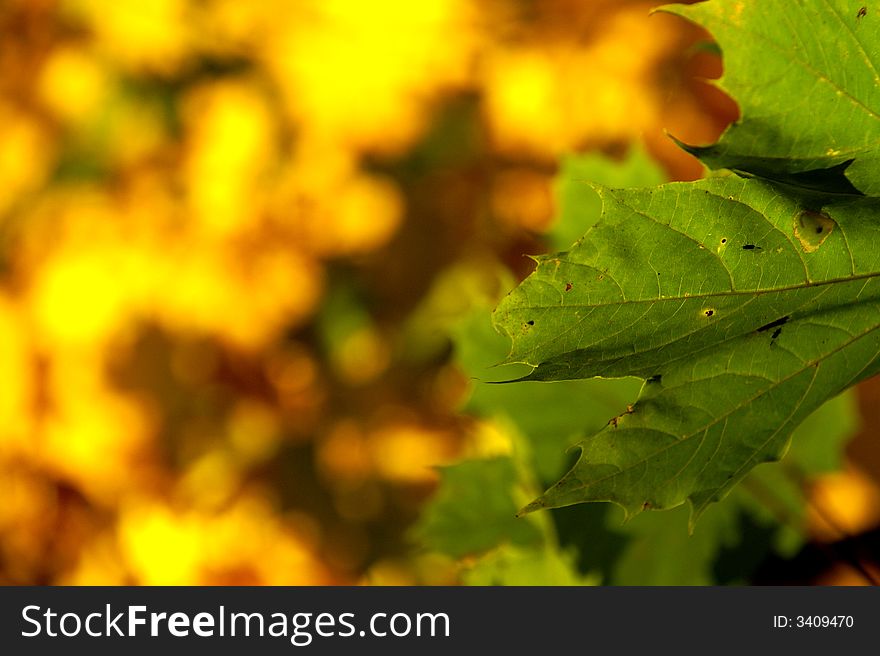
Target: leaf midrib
point(810, 284)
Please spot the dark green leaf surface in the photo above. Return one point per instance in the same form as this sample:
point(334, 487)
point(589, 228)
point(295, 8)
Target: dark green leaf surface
point(473, 510)
point(806, 75)
point(763, 514)
point(551, 418)
point(743, 308)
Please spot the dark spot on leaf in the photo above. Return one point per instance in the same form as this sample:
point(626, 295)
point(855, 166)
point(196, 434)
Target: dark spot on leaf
point(568, 286)
point(751, 247)
point(724, 241)
point(818, 230)
point(863, 11)
point(656, 378)
point(776, 333)
point(709, 313)
point(774, 324)
point(646, 505)
point(530, 322)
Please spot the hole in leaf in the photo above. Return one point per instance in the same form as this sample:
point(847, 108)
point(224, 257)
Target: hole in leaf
point(709, 313)
point(812, 229)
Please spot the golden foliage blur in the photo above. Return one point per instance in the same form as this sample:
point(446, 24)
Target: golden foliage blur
point(843, 504)
point(189, 185)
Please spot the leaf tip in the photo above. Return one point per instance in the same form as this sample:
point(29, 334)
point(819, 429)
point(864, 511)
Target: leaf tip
point(537, 504)
point(695, 514)
point(688, 12)
point(673, 9)
point(686, 147)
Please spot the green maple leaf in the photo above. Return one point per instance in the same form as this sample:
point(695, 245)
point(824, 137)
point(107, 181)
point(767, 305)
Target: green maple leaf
point(806, 75)
point(743, 303)
point(472, 513)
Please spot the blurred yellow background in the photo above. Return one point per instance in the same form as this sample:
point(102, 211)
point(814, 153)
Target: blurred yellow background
point(219, 223)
